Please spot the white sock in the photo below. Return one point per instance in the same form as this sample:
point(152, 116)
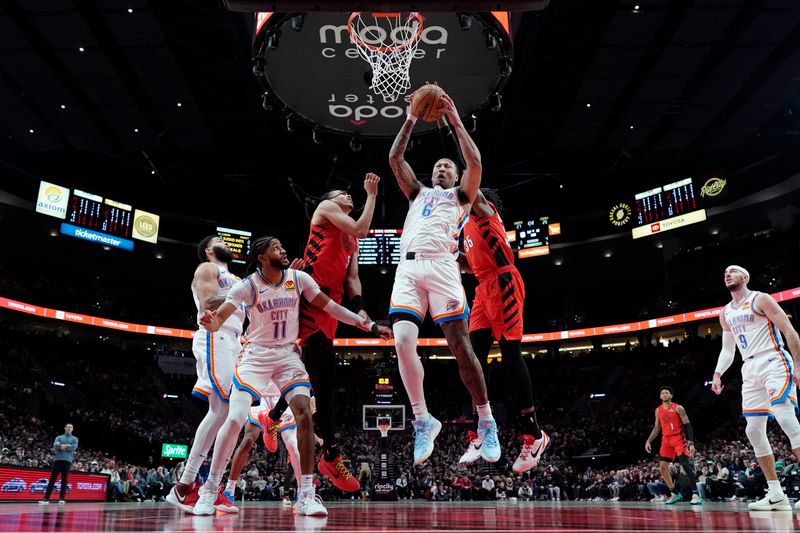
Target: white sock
point(231, 486)
point(775, 487)
point(213, 481)
point(307, 483)
point(484, 412)
point(406, 335)
point(204, 438)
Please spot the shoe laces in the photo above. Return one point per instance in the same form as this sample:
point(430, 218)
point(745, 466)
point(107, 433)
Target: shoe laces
point(315, 498)
point(339, 463)
point(489, 431)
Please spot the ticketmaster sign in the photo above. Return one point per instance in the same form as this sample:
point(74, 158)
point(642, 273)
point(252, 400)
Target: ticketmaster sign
point(174, 451)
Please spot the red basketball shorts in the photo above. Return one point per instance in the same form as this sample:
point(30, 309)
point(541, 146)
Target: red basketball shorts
point(498, 305)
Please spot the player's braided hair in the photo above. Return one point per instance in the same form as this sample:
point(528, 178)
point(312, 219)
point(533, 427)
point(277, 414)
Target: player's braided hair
point(201, 248)
point(493, 196)
point(259, 245)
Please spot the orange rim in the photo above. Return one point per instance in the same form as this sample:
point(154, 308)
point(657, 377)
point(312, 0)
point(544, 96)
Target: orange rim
point(354, 35)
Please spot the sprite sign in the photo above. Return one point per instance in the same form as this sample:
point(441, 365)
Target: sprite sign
point(174, 451)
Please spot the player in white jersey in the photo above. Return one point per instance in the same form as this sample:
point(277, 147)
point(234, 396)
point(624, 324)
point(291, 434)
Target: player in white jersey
point(429, 279)
point(753, 322)
point(271, 295)
point(257, 422)
point(216, 355)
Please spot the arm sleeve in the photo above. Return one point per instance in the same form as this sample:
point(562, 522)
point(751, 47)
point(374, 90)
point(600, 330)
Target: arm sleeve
point(342, 314)
point(308, 287)
point(242, 293)
point(726, 354)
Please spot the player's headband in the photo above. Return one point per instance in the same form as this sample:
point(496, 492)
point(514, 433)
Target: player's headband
point(740, 269)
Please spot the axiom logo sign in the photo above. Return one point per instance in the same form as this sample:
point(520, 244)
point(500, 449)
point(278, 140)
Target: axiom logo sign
point(53, 200)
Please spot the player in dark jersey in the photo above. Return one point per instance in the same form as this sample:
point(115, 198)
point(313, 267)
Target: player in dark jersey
point(331, 258)
point(677, 442)
point(497, 317)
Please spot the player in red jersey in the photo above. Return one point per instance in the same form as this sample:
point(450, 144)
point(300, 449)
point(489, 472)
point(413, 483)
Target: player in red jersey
point(331, 258)
point(677, 439)
point(497, 317)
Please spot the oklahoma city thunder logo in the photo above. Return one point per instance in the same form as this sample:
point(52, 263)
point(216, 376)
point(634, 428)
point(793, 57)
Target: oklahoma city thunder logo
point(289, 285)
point(452, 305)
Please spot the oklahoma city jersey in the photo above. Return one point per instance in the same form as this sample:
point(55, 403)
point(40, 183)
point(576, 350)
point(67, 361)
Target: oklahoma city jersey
point(226, 280)
point(755, 334)
point(433, 223)
point(273, 310)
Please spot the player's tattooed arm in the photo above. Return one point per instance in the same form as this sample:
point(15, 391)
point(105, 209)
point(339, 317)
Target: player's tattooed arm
point(406, 178)
point(215, 301)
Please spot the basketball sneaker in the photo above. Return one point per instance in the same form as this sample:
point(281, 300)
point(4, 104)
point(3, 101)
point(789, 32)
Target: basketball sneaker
point(473, 452)
point(425, 432)
point(309, 504)
point(487, 432)
point(675, 498)
point(270, 431)
point(205, 502)
point(183, 496)
point(531, 452)
point(286, 503)
point(338, 473)
point(696, 500)
point(224, 503)
point(771, 503)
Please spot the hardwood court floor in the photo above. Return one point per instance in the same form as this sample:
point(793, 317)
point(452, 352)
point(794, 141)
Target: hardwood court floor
point(404, 517)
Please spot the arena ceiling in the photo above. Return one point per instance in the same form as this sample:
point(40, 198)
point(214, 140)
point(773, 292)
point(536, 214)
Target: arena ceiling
point(155, 103)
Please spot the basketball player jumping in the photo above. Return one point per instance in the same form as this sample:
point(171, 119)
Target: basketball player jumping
point(216, 355)
point(271, 295)
point(428, 278)
point(752, 321)
point(331, 258)
point(677, 440)
point(496, 316)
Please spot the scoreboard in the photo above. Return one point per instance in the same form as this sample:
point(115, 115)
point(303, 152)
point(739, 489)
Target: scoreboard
point(380, 247)
point(533, 236)
point(671, 206)
point(238, 241)
point(665, 202)
point(93, 212)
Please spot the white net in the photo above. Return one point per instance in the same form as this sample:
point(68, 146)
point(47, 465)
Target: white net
point(387, 41)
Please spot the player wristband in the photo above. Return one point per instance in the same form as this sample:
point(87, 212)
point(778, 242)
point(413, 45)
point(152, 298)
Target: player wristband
point(373, 327)
point(689, 432)
point(356, 303)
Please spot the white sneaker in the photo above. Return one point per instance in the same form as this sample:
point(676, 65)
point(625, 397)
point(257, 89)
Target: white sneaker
point(44, 502)
point(286, 503)
point(61, 502)
point(310, 504)
point(531, 452)
point(797, 505)
point(205, 502)
point(473, 452)
point(425, 432)
point(768, 503)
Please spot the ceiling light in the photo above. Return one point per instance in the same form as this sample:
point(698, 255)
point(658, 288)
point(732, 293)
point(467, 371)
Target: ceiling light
point(30, 131)
point(607, 254)
point(53, 233)
point(152, 172)
point(588, 105)
point(135, 130)
point(631, 126)
point(63, 106)
point(159, 255)
point(180, 104)
point(130, 9)
point(81, 49)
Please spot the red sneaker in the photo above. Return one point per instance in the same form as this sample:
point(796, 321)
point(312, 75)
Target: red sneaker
point(225, 504)
point(270, 431)
point(338, 473)
point(183, 496)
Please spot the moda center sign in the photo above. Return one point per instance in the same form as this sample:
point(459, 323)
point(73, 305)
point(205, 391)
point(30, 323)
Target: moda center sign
point(316, 72)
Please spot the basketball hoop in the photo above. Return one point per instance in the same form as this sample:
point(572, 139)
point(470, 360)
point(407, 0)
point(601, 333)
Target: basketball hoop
point(388, 44)
point(384, 423)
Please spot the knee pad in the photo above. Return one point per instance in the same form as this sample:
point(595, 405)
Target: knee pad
point(756, 431)
point(784, 414)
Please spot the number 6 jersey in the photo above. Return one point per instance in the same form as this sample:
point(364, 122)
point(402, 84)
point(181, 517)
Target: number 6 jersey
point(273, 310)
point(434, 221)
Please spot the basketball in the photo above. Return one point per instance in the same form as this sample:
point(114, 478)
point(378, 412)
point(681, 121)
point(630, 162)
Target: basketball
point(427, 102)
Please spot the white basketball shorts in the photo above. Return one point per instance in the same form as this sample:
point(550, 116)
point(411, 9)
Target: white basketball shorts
point(259, 365)
point(766, 381)
point(216, 355)
point(422, 285)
